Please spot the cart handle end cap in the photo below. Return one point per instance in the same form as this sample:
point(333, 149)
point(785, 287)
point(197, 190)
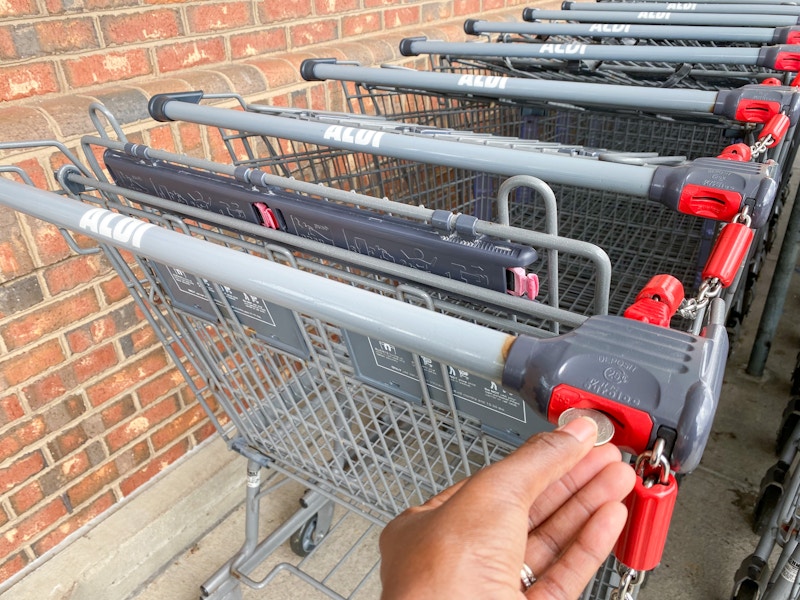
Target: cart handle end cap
point(469, 27)
point(406, 43)
point(157, 105)
point(529, 14)
point(308, 65)
point(566, 5)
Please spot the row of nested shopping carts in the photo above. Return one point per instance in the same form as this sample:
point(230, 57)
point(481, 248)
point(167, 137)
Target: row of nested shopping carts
point(377, 303)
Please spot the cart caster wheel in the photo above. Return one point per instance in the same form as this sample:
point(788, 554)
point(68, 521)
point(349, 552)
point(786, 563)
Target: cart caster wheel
point(308, 537)
point(748, 590)
point(769, 496)
point(790, 419)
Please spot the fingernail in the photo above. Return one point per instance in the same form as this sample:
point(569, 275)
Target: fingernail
point(582, 429)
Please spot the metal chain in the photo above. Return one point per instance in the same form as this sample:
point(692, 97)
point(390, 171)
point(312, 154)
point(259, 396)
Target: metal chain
point(761, 145)
point(628, 580)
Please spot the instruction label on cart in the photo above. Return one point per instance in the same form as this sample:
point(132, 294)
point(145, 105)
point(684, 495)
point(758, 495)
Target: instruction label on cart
point(396, 371)
point(270, 322)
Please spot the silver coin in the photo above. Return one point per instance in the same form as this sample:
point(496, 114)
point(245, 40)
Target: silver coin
point(605, 428)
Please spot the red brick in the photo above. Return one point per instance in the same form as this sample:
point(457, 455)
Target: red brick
point(66, 35)
point(76, 521)
point(107, 67)
point(335, 7)
point(49, 387)
point(401, 17)
point(33, 79)
point(204, 432)
point(139, 426)
point(272, 12)
point(132, 457)
point(13, 565)
point(190, 54)
point(493, 4)
point(101, 4)
point(95, 363)
point(262, 42)
point(190, 138)
point(8, 50)
point(21, 470)
point(92, 484)
point(207, 17)
point(69, 274)
point(360, 24)
point(154, 467)
point(21, 436)
point(468, 8)
point(50, 244)
point(28, 528)
point(162, 138)
point(86, 336)
point(33, 326)
point(67, 441)
point(126, 378)
point(117, 412)
point(438, 11)
point(159, 24)
point(159, 387)
point(35, 360)
point(26, 497)
point(113, 290)
point(177, 427)
point(10, 409)
point(58, 415)
point(313, 33)
point(3, 517)
point(143, 338)
point(18, 8)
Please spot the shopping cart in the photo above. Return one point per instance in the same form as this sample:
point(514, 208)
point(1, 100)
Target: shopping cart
point(586, 32)
point(599, 201)
point(368, 398)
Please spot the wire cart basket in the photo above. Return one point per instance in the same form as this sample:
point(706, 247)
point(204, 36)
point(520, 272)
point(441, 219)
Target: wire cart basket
point(604, 198)
point(388, 391)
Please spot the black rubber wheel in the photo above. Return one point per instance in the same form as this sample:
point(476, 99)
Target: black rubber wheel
point(748, 590)
point(769, 496)
point(302, 540)
point(789, 420)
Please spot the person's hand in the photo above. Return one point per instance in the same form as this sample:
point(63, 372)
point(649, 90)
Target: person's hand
point(554, 504)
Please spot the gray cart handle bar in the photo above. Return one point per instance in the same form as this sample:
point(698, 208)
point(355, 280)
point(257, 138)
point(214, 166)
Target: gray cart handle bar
point(657, 17)
point(707, 187)
point(652, 381)
point(696, 7)
point(780, 58)
point(750, 103)
point(747, 35)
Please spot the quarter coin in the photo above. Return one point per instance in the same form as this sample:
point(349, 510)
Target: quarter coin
point(605, 428)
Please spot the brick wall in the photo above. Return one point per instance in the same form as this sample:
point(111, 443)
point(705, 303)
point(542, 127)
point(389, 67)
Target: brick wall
point(90, 406)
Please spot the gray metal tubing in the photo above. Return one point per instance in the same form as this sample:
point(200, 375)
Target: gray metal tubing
point(518, 88)
point(477, 349)
point(663, 18)
point(729, 1)
point(751, 35)
point(741, 9)
point(776, 296)
point(580, 51)
point(613, 177)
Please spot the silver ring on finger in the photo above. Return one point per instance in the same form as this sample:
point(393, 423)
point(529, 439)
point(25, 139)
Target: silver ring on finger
point(526, 576)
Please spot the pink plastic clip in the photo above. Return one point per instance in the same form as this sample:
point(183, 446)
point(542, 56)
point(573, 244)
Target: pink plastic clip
point(523, 284)
point(268, 218)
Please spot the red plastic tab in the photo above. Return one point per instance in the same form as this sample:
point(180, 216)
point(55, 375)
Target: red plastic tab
point(657, 301)
point(740, 152)
point(632, 427)
point(729, 253)
point(267, 216)
point(777, 127)
point(756, 111)
point(795, 81)
point(641, 544)
point(712, 203)
point(787, 61)
point(774, 80)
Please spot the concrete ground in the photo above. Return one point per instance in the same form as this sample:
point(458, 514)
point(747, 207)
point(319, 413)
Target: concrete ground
point(710, 533)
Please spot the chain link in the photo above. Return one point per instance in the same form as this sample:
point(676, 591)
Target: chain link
point(709, 289)
point(628, 580)
point(761, 145)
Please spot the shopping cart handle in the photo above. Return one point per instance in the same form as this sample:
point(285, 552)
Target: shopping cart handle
point(652, 381)
point(781, 58)
point(786, 35)
point(718, 189)
point(756, 103)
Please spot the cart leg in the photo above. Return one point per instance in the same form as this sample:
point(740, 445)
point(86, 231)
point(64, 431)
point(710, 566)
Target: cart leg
point(225, 583)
